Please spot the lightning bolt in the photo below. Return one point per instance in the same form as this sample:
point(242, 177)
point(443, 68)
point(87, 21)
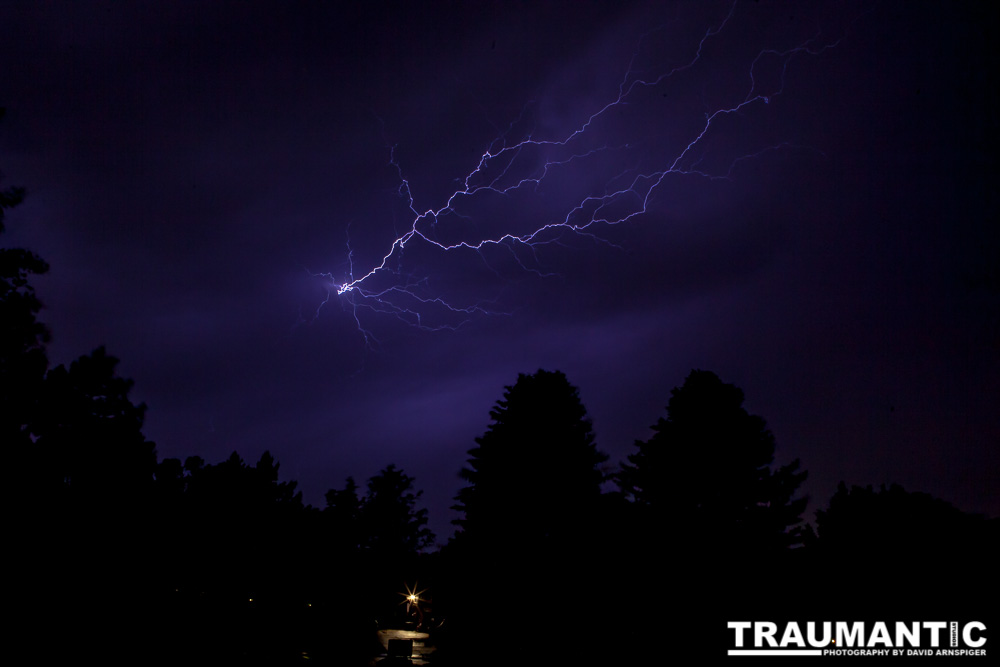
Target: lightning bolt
point(512, 168)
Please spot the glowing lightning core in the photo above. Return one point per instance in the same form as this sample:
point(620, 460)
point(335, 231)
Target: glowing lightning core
point(382, 288)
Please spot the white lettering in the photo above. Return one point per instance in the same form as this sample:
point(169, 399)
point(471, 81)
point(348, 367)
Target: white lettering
point(880, 635)
point(911, 634)
point(765, 630)
point(850, 634)
point(739, 626)
point(792, 636)
point(935, 627)
point(967, 634)
point(827, 634)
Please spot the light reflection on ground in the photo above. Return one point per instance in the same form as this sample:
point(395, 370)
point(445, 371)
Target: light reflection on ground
point(421, 652)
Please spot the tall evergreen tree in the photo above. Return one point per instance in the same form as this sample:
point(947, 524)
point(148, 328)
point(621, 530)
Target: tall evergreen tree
point(706, 472)
point(535, 473)
point(393, 526)
point(529, 517)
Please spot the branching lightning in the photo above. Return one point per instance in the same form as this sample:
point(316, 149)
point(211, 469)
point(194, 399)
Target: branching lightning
point(501, 172)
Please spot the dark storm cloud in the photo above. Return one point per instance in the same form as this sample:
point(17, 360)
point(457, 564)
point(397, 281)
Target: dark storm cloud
point(189, 166)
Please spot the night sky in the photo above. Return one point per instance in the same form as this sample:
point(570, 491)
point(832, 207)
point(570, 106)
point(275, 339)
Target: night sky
point(202, 176)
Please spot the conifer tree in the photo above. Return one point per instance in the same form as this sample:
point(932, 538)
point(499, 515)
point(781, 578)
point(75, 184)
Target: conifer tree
point(706, 472)
point(536, 472)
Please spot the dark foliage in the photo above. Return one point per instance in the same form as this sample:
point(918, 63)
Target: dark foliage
point(893, 521)
point(379, 540)
point(535, 474)
point(239, 522)
point(342, 518)
point(918, 555)
point(706, 473)
point(90, 447)
point(393, 526)
point(23, 361)
point(914, 531)
point(531, 512)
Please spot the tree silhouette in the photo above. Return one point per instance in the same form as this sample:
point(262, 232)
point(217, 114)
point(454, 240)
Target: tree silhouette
point(23, 361)
point(93, 474)
point(232, 491)
point(706, 472)
point(241, 526)
point(90, 437)
point(917, 551)
point(529, 515)
point(894, 523)
point(342, 518)
point(393, 526)
point(536, 471)
point(373, 544)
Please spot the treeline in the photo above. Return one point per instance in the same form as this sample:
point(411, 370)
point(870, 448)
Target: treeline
point(701, 529)
point(126, 556)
